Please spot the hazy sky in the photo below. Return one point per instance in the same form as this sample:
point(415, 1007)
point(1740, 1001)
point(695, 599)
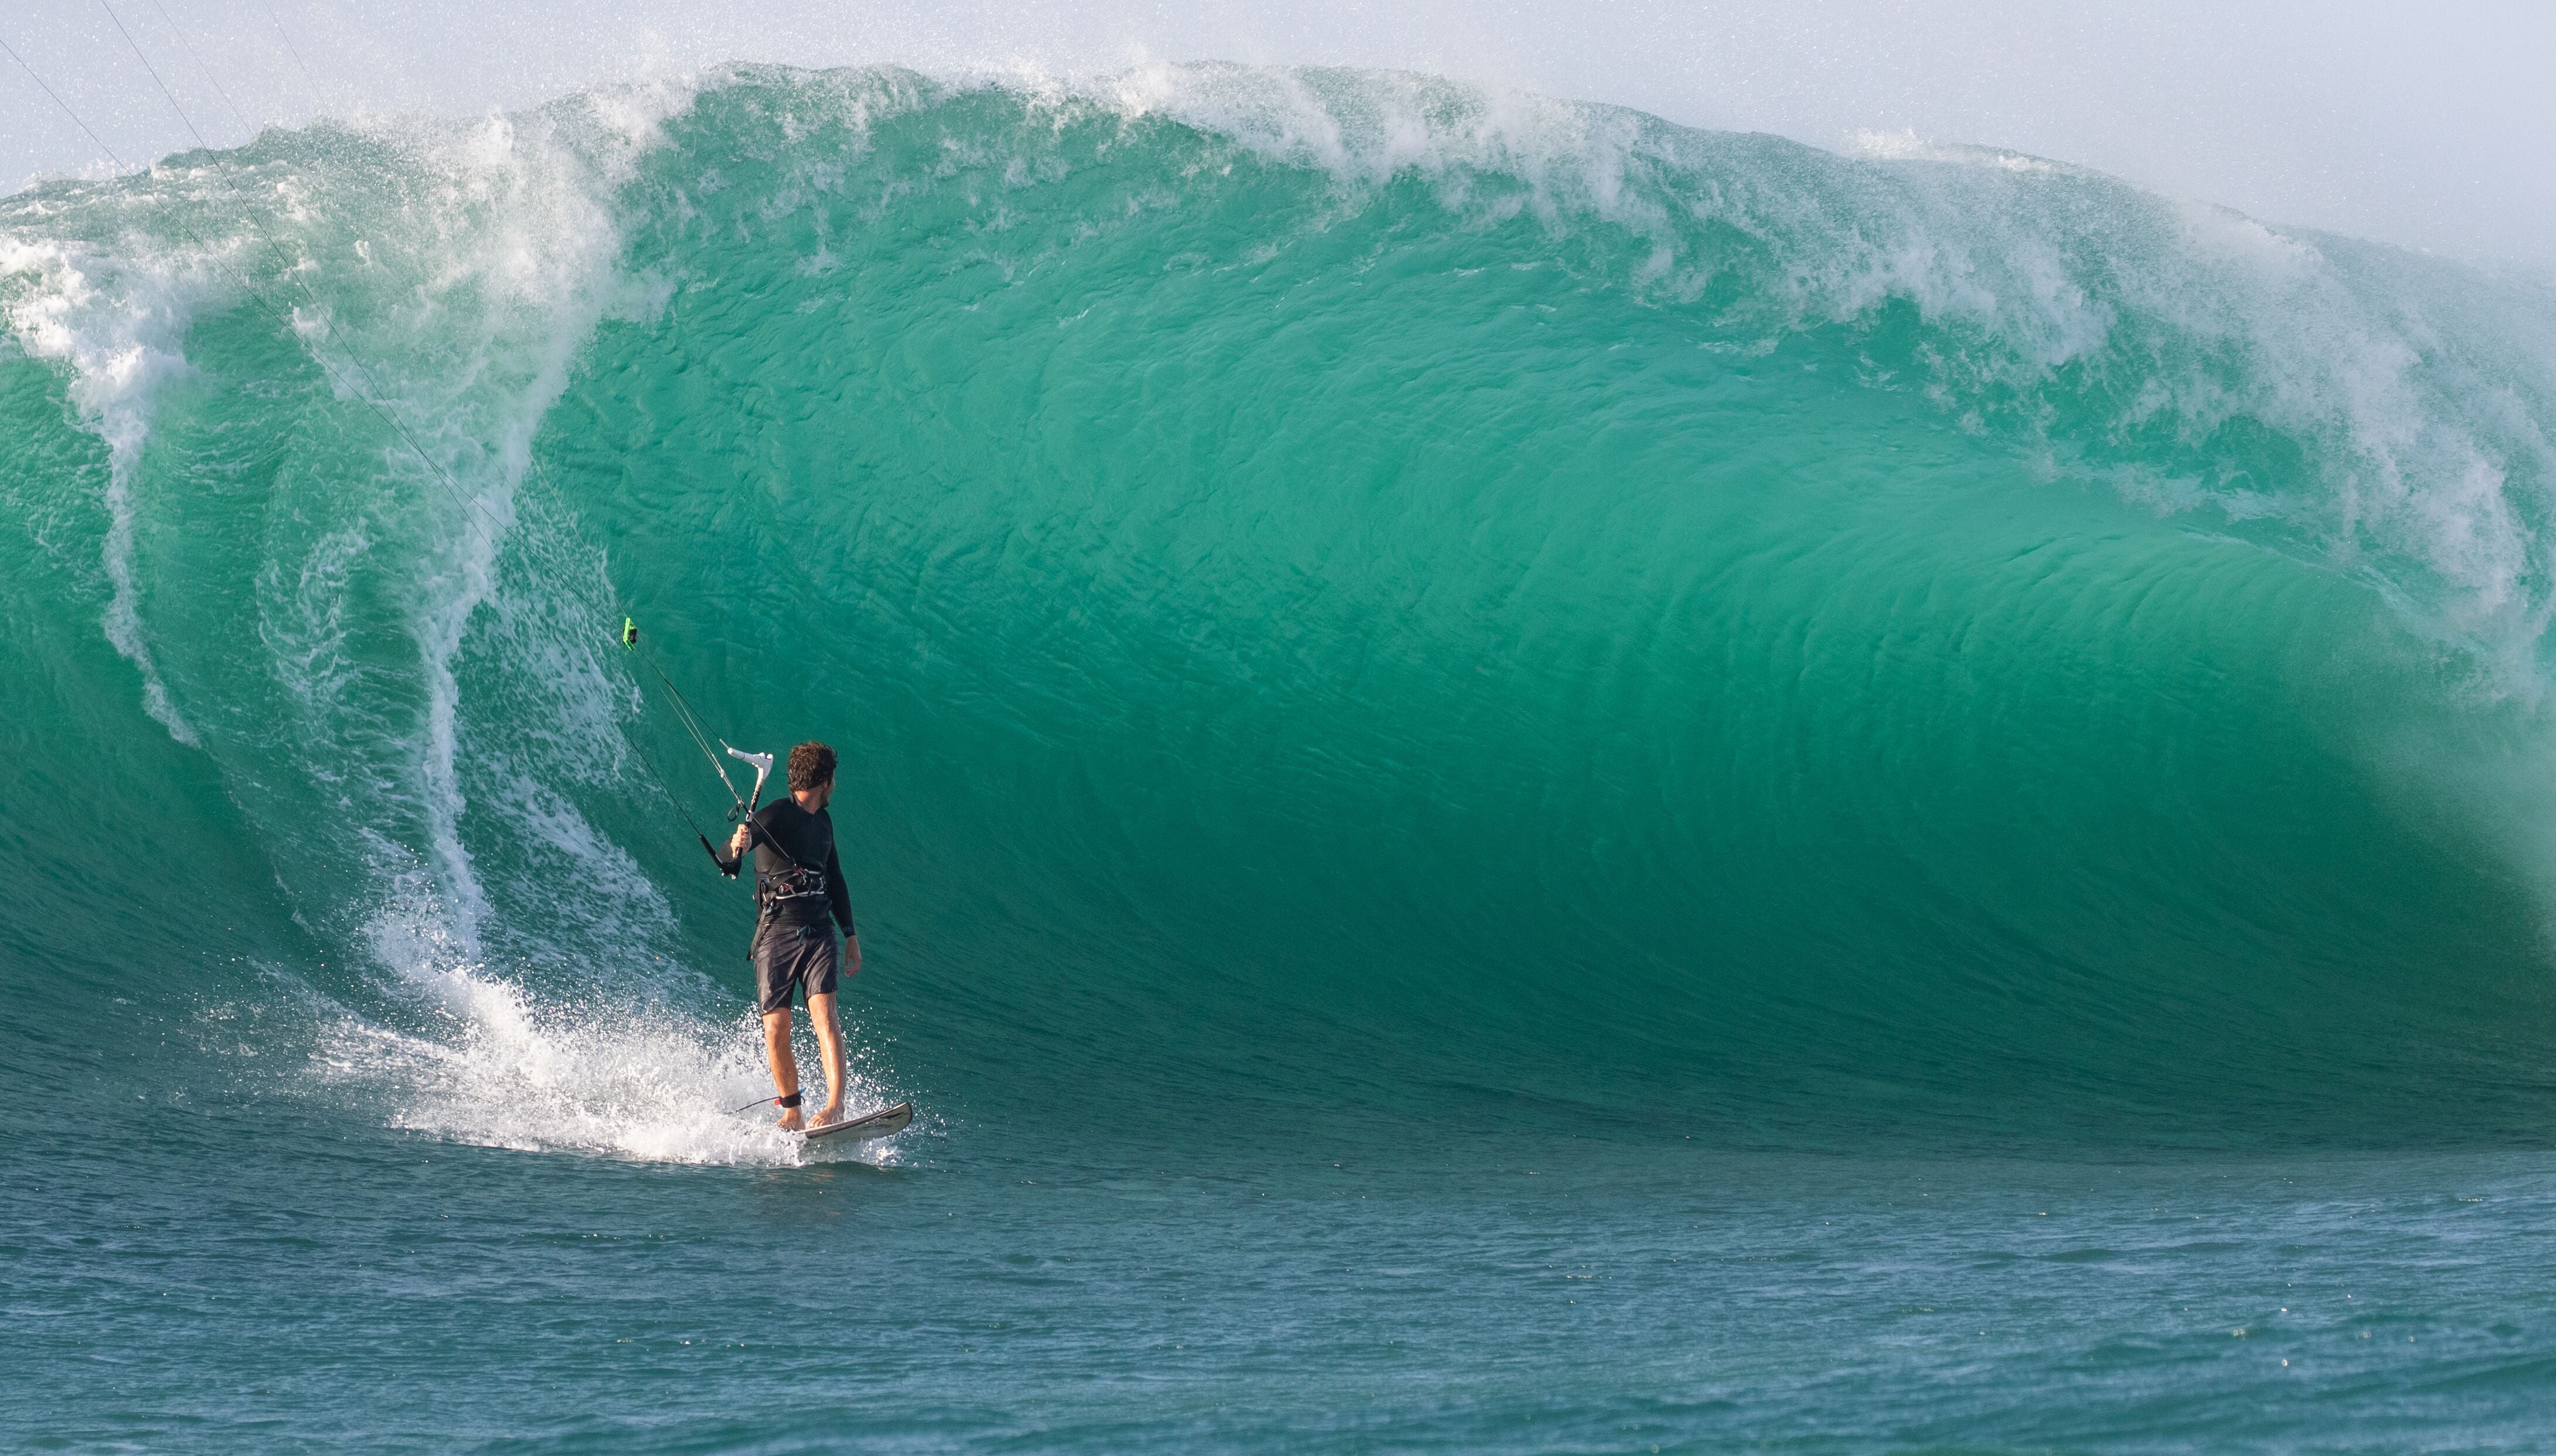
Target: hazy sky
point(2427, 125)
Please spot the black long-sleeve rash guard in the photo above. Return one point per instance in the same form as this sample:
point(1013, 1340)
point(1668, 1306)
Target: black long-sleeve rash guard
point(809, 840)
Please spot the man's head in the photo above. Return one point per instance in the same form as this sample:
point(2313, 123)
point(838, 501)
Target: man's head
point(812, 766)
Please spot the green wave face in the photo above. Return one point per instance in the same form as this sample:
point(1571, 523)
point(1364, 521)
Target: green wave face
point(1333, 590)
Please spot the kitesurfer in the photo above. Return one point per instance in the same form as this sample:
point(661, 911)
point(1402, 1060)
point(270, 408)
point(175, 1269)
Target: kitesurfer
point(799, 897)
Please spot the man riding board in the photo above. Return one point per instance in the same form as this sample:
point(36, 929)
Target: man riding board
point(798, 885)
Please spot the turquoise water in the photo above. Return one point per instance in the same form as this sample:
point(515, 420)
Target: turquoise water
point(1516, 779)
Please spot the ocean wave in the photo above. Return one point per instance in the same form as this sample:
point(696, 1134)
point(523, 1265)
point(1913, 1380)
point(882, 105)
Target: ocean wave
point(1328, 584)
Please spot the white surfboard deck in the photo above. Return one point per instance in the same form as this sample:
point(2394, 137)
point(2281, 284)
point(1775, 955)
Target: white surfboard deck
point(884, 1123)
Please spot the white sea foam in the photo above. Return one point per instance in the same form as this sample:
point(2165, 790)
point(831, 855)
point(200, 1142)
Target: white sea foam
point(499, 1064)
point(122, 339)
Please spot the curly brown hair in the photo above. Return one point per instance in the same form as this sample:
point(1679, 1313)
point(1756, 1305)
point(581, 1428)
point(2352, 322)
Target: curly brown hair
point(812, 766)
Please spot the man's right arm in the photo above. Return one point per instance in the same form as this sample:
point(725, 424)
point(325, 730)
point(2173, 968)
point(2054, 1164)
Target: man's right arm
point(737, 846)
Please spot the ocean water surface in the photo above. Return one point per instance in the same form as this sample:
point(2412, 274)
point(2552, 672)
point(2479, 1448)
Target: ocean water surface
point(1517, 780)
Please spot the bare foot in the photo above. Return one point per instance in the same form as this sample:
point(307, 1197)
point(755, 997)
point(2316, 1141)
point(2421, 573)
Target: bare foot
point(831, 1112)
point(791, 1122)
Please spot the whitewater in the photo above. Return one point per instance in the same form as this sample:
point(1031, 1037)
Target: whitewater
point(1516, 779)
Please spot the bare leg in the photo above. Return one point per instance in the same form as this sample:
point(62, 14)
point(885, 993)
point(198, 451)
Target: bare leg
point(785, 1064)
point(830, 1041)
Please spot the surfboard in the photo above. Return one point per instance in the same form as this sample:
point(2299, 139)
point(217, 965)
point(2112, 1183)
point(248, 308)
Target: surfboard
point(883, 1123)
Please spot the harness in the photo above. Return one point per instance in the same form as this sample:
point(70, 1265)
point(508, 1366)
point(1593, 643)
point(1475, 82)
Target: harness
point(776, 888)
point(773, 886)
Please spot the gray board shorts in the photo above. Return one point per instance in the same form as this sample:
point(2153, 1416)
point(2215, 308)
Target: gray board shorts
point(801, 958)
